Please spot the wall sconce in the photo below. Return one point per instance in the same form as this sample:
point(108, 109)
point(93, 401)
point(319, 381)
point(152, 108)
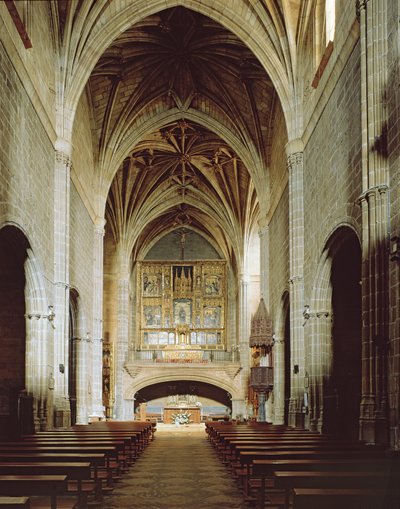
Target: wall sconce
point(61, 367)
point(295, 369)
point(306, 312)
point(306, 381)
point(395, 249)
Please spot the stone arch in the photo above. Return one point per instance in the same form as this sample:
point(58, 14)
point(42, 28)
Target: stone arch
point(281, 355)
point(78, 356)
point(39, 330)
point(250, 158)
point(236, 17)
point(17, 282)
point(183, 387)
point(174, 376)
point(142, 252)
point(319, 321)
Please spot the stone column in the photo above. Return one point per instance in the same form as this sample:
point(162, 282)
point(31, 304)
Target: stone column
point(264, 261)
point(97, 344)
point(321, 398)
point(122, 340)
point(238, 407)
point(39, 334)
point(244, 333)
point(261, 406)
point(61, 280)
point(279, 380)
point(81, 347)
point(294, 150)
point(244, 324)
point(375, 220)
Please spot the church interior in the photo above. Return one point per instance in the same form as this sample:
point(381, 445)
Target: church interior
point(200, 232)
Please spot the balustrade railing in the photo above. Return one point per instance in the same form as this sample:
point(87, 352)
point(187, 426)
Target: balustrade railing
point(182, 356)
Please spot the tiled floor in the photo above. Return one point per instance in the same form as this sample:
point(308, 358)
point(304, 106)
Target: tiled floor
point(179, 470)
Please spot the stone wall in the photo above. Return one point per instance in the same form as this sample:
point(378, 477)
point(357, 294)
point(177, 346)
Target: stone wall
point(332, 169)
point(169, 248)
point(81, 254)
point(37, 65)
point(393, 99)
point(83, 153)
point(26, 168)
point(279, 258)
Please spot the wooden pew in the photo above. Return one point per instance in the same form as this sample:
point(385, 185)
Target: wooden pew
point(119, 450)
point(288, 480)
point(132, 440)
point(116, 442)
point(96, 461)
point(264, 470)
point(247, 458)
point(232, 447)
point(49, 486)
point(351, 498)
point(15, 503)
point(76, 472)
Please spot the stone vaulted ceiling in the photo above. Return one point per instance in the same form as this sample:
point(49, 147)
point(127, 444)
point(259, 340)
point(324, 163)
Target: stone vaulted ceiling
point(202, 105)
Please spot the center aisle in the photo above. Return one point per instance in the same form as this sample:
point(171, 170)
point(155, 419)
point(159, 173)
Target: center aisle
point(178, 470)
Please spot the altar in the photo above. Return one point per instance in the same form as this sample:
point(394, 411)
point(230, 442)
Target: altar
point(192, 411)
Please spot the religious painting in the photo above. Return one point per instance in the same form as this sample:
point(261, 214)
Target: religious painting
point(197, 338)
point(212, 286)
point(212, 317)
point(182, 311)
point(163, 338)
point(151, 285)
point(212, 339)
point(152, 316)
point(150, 338)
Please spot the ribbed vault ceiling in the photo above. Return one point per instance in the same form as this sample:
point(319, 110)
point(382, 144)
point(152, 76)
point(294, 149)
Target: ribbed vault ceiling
point(186, 173)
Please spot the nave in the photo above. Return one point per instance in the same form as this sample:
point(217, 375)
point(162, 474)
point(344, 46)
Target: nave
point(179, 469)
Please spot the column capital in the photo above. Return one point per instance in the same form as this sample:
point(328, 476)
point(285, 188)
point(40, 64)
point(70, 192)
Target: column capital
point(372, 191)
point(244, 279)
point(263, 228)
point(294, 147)
point(63, 158)
point(360, 6)
point(99, 224)
point(295, 280)
point(63, 150)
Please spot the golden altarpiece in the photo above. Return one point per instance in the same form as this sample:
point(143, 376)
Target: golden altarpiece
point(182, 308)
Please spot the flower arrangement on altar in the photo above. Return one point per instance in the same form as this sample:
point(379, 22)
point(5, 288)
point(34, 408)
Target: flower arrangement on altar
point(181, 418)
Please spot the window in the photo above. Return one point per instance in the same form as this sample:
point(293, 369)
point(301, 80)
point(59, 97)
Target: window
point(324, 33)
point(329, 21)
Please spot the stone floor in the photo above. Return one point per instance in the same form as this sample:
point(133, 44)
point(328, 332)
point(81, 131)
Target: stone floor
point(178, 470)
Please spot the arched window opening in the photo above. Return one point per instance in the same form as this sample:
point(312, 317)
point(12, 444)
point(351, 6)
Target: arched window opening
point(324, 33)
point(329, 21)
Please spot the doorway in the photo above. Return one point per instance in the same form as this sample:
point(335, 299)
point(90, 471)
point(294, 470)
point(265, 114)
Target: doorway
point(13, 400)
point(346, 332)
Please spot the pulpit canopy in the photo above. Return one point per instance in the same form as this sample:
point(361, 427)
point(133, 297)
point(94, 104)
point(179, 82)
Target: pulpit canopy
point(261, 328)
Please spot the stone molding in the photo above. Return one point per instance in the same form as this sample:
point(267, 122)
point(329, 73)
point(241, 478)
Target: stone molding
point(294, 160)
point(63, 158)
point(373, 191)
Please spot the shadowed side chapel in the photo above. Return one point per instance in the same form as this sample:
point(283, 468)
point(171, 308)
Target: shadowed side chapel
point(200, 224)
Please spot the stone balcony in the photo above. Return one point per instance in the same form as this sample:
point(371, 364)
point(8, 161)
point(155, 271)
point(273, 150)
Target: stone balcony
point(208, 364)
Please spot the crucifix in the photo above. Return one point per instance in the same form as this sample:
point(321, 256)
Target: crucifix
point(182, 234)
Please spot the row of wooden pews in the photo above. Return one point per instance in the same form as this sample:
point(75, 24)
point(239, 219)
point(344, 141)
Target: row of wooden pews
point(69, 469)
point(281, 467)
